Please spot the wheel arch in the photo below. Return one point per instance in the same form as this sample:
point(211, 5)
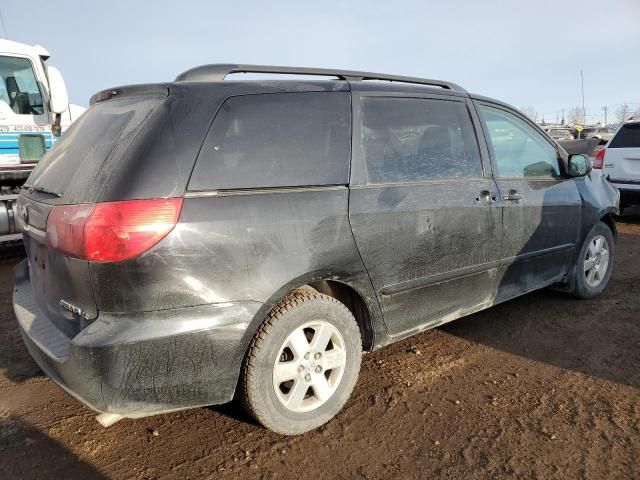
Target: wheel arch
point(609, 220)
point(356, 304)
point(356, 294)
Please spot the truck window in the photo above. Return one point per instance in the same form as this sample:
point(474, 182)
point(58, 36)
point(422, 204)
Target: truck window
point(18, 87)
point(276, 140)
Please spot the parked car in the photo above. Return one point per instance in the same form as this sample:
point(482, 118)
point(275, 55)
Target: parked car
point(603, 134)
point(559, 133)
point(192, 241)
point(619, 162)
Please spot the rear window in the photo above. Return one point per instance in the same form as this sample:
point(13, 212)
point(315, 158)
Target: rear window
point(627, 137)
point(85, 154)
point(276, 140)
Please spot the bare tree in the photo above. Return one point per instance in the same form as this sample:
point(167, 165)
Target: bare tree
point(530, 112)
point(576, 116)
point(623, 113)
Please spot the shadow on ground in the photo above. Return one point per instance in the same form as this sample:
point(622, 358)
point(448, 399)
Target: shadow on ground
point(15, 362)
point(234, 411)
point(26, 452)
point(630, 215)
point(598, 337)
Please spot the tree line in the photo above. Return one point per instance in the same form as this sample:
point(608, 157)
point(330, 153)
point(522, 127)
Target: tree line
point(576, 115)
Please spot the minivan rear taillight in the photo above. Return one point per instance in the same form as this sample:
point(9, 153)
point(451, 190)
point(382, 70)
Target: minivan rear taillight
point(111, 231)
point(598, 161)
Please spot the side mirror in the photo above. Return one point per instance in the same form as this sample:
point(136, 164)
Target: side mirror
point(579, 165)
point(58, 98)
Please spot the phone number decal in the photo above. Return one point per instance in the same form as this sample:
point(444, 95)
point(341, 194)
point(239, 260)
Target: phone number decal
point(23, 128)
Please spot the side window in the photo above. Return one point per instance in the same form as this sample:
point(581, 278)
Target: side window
point(276, 140)
point(520, 151)
point(412, 139)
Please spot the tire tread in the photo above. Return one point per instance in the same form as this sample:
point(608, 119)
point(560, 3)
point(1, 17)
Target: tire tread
point(248, 384)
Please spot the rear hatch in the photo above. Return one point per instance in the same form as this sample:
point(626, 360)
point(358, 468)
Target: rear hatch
point(74, 172)
point(622, 158)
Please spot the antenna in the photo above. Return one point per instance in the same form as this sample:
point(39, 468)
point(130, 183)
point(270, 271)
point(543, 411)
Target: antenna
point(4, 28)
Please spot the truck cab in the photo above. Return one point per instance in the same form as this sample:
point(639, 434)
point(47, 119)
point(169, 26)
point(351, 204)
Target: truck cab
point(34, 111)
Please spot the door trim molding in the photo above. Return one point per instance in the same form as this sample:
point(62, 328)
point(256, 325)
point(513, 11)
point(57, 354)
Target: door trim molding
point(431, 280)
point(527, 256)
point(438, 278)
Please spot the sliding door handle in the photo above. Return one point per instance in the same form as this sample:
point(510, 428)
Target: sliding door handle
point(512, 196)
point(487, 197)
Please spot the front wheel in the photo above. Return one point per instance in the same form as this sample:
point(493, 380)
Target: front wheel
point(595, 262)
point(302, 363)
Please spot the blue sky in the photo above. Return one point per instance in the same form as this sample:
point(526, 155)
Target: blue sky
point(527, 53)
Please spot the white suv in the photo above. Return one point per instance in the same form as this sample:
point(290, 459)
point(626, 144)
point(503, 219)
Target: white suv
point(620, 162)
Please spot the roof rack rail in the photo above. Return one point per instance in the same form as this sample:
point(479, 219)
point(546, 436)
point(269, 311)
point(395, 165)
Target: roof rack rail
point(217, 72)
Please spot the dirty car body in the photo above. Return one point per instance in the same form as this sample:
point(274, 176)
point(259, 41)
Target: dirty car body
point(168, 327)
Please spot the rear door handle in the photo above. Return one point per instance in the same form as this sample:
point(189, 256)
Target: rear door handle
point(512, 196)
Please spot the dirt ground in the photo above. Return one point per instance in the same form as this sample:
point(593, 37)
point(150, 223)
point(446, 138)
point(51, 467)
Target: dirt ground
point(544, 386)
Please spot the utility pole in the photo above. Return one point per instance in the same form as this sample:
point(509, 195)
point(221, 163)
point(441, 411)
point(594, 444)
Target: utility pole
point(4, 28)
point(605, 114)
point(584, 112)
point(562, 117)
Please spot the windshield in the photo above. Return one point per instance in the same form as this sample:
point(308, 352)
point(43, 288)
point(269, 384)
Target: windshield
point(19, 91)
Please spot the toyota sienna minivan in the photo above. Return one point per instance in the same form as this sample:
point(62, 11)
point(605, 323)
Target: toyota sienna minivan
point(205, 239)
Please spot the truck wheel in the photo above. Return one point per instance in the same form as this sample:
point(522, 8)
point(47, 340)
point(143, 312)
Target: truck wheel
point(595, 262)
point(302, 364)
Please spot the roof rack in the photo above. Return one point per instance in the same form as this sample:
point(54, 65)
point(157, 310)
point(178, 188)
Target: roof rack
point(217, 72)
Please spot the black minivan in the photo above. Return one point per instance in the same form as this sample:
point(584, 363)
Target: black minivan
point(193, 241)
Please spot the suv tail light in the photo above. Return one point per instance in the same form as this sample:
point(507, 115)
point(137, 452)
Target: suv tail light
point(598, 161)
point(111, 231)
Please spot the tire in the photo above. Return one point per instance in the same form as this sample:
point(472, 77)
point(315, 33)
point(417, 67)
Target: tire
point(284, 346)
point(588, 284)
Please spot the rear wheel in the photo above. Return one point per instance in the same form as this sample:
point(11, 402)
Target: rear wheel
point(595, 262)
point(302, 363)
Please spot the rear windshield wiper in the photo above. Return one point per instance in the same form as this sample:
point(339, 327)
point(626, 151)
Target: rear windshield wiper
point(34, 188)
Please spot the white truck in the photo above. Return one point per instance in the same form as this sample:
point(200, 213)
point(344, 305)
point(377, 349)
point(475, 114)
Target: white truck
point(34, 111)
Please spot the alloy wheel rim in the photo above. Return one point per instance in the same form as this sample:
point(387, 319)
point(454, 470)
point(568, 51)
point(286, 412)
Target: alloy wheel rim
point(309, 366)
point(596, 261)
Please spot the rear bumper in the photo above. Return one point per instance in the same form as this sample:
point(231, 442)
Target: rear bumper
point(140, 365)
point(629, 191)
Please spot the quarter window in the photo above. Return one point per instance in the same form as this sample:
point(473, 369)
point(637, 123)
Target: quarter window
point(275, 140)
point(520, 151)
point(411, 139)
point(19, 91)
